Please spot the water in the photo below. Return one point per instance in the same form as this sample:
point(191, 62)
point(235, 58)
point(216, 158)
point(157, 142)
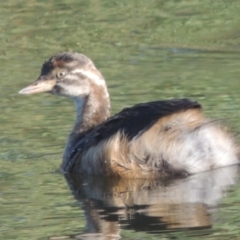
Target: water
point(146, 50)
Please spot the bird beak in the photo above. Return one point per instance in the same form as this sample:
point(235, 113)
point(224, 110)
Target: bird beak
point(39, 86)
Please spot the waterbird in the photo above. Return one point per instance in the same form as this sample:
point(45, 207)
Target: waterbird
point(149, 140)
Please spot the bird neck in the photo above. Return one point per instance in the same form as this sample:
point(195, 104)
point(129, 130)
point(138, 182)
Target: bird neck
point(91, 110)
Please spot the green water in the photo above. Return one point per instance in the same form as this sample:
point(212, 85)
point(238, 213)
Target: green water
point(156, 49)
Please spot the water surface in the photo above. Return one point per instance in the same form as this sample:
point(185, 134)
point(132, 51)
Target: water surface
point(146, 50)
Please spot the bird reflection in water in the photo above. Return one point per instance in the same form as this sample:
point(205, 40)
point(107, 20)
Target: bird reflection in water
point(149, 205)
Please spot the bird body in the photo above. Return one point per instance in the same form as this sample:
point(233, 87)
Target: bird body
point(148, 140)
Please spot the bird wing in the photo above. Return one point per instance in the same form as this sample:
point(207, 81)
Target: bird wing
point(132, 121)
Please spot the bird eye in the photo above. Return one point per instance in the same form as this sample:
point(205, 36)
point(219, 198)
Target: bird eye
point(61, 74)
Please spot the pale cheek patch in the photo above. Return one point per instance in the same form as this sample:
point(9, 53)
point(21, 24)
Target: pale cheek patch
point(73, 91)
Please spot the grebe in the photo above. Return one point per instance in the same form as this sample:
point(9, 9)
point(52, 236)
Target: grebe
point(148, 140)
